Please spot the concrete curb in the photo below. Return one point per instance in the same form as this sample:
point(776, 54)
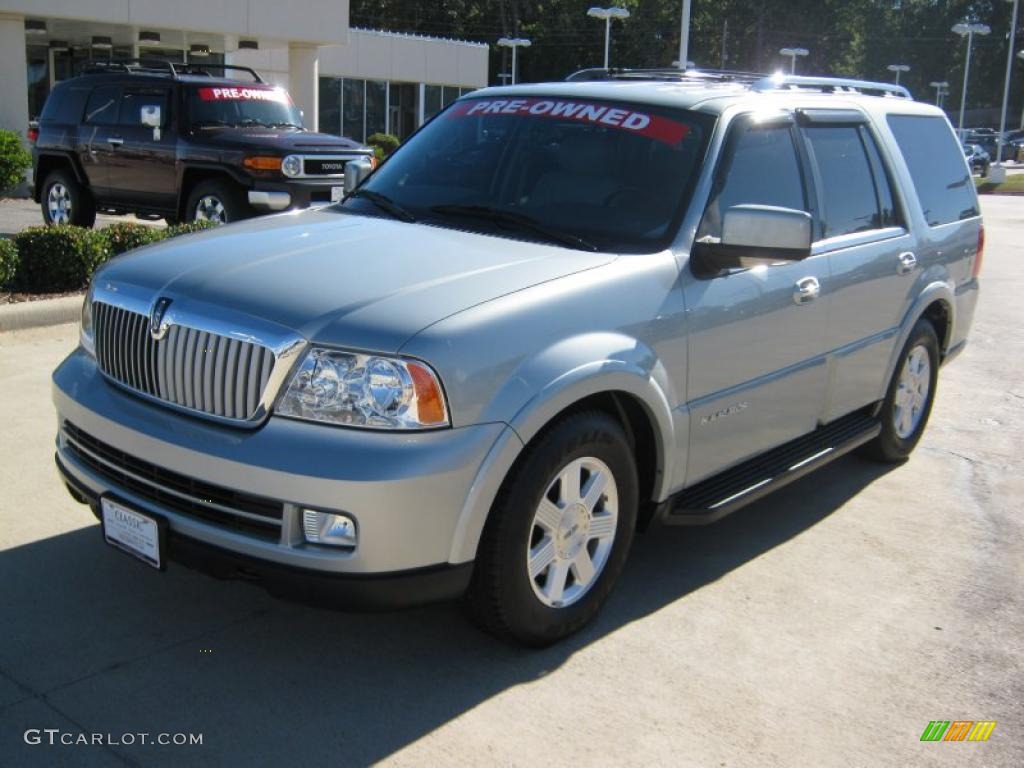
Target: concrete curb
point(34, 314)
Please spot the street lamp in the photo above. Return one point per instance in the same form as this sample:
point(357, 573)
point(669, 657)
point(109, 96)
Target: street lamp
point(606, 15)
point(793, 53)
point(969, 31)
point(898, 69)
point(941, 89)
point(997, 174)
point(684, 36)
point(514, 43)
point(1020, 55)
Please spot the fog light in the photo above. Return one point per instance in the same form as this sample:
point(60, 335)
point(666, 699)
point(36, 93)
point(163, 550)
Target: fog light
point(328, 528)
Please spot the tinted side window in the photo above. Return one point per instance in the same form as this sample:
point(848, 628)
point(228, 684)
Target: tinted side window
point(849, 201)
point(102, 106)
point(65, 105)
point(760, 167)
point(937, 168)
point(135, 99)
point(883, 182)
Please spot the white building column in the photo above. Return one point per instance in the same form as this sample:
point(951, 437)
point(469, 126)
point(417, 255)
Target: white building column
point(14, 82)
point(304, 76)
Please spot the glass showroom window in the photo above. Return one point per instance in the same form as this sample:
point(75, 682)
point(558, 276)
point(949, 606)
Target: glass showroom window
point(353, 109)
point(376, 107)
point(330, 105)
point(431, 100)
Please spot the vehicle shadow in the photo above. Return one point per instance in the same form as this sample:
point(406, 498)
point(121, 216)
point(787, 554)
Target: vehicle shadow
point(115, 647)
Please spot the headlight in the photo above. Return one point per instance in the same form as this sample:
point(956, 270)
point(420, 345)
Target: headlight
point(291, 165)
point(85, 335)
point(365, 391)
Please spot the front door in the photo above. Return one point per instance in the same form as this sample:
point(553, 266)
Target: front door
point(141, 170)
point(98, 130)
point(757, 372)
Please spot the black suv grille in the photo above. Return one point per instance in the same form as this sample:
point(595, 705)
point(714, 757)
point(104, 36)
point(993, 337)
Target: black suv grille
point(255, 515)
point(323, 166)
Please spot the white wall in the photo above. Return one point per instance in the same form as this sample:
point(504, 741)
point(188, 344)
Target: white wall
point(406, 58)
point(14, 82)
point(306, 21)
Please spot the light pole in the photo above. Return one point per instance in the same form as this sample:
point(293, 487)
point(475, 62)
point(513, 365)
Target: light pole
point(514, 43)
point(941, 89)
point(898, 69)
point(969, 31)
point(793, 53)
point(684, 36)
point(1020, 55)
point(607, 14)
point(997, 173)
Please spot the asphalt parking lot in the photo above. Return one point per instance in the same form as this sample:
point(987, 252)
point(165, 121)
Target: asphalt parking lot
point(826, 625)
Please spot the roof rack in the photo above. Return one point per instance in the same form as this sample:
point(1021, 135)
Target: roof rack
point(780, 82)
point(152, 66)
point(754, 80)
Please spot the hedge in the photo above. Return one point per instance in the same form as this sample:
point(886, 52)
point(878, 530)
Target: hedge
point(15, 160)
point(8, 261)
point(384, 144)
point(62, 258)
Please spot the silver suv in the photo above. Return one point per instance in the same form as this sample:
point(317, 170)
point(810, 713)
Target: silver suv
point(558, 314)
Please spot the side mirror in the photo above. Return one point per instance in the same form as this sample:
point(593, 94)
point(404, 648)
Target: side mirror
point(150, 116)
point(757, 234)
point(356, 172)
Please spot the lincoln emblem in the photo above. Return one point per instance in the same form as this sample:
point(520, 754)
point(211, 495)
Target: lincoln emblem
point(157, 326)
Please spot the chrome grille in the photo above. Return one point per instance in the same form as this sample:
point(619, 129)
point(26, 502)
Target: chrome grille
point(195, 369)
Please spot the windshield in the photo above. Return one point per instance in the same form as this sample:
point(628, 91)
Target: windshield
point(611, 176)
point(264, 106)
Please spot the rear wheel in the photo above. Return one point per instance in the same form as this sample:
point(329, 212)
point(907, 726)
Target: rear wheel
point(65, 201)
point(908, 401)
point(559, 534)
point(218, 202)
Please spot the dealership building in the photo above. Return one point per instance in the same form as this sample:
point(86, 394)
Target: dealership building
point(347, 81)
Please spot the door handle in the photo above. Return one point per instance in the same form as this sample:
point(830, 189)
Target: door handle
point(115, 141)
point(806, 290)
point(907, 263)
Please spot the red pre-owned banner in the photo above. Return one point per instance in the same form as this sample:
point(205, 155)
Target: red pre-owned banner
point(622, 117)
point(245, 94)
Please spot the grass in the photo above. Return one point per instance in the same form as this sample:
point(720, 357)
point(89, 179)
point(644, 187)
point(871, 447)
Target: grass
point(1014, 185)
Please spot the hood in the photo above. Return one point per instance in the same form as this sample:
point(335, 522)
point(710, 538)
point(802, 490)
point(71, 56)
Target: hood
point(281, 140)
point(338, 278)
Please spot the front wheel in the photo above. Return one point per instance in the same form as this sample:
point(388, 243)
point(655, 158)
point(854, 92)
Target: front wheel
point(559, 534)
point(216, 201)
point(908, 401)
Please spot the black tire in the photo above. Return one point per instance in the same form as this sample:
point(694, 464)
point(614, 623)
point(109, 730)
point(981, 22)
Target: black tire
point(890, 446)
point(501, 598)
point(229, 197)
point(80, 209)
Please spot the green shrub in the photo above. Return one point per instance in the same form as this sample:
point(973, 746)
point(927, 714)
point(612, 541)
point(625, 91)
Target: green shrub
point(125, 236)
point(59, 258)
point(188, 227)
point(15, 160)
point(384, 144)
point(8, 261)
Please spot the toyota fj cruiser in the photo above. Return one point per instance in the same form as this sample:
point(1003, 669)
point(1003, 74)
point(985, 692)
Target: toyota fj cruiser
point(558, 314)
point(172, 141)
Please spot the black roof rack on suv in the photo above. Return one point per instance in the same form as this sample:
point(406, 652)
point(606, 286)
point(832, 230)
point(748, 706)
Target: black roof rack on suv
point(146, 66)
point(755, 81)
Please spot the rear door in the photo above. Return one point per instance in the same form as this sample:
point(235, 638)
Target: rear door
point(757, 342)
point(141, 168)
point(99, 126)
point(872, 254)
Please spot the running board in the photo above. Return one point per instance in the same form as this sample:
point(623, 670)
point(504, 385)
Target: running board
point(719, 495)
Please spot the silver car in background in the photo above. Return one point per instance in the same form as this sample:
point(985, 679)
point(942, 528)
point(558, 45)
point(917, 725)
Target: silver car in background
point(559, 314)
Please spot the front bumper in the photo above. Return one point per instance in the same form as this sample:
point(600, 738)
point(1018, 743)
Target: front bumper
point(279, 196)
point(405, 491)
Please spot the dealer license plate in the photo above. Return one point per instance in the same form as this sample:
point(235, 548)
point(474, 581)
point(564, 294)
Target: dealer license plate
point(337, 193)
point(133, 532)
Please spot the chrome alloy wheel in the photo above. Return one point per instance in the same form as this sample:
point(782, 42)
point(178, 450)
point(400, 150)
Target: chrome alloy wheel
point(58, 203)
point(210, 208)
point(912, 392)
point(573, 532)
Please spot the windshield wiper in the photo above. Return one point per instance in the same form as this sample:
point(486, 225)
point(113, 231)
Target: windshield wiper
point(209, 124)
point(385, 203)
point(520, 220)
point(288, 125)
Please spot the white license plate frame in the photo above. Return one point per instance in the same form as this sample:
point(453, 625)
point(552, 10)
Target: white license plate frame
point(139, 534)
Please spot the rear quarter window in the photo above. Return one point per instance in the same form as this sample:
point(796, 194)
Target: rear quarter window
point(937, 168)
point(65, 105)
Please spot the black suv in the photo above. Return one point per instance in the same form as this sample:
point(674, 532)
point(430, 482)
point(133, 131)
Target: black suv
point(173, 141)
